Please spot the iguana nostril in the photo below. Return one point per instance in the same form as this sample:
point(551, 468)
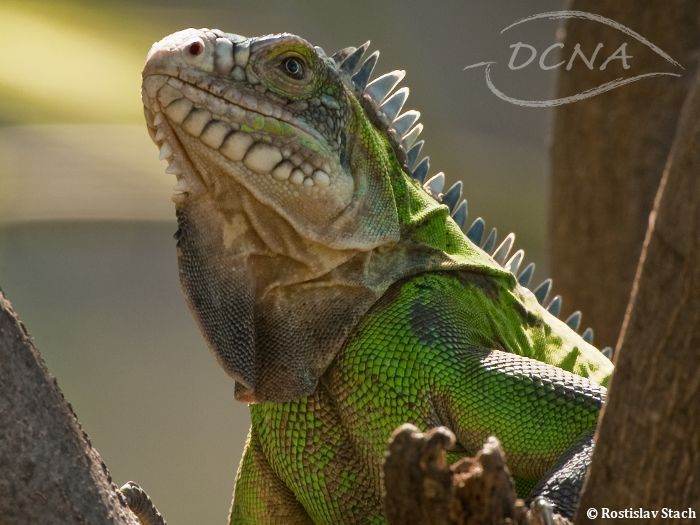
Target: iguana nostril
point(196, 48)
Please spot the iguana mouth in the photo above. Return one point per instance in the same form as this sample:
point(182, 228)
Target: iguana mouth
point(236, 126)
point(171, 150)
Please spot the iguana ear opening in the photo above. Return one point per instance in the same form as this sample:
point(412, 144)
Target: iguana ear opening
point(371, 220)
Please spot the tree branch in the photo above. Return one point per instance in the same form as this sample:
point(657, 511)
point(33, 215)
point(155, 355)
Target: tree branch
point(423, 489)
point(50, 472)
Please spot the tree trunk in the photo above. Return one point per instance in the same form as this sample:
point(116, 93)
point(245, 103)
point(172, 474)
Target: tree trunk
point(49, 471)
point(608, 154)
point(648, 445)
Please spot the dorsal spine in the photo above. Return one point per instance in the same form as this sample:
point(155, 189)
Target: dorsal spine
point(384, 103)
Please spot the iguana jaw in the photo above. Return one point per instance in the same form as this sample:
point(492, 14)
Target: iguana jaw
point(272, 155)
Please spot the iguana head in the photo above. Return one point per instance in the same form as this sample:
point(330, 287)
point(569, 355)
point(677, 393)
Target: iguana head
point(270, 118)
point(295, 204)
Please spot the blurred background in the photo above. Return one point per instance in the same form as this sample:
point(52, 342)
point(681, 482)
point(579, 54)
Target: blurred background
point(86, 223)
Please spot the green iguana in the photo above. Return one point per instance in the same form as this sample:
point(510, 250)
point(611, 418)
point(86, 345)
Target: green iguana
point(338, 289)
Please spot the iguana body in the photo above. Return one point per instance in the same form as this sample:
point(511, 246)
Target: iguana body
point(339, 293)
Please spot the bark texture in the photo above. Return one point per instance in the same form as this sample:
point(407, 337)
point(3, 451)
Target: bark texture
point(49, 472)
point(648, 447)
point(423, 489)
point(609, 151)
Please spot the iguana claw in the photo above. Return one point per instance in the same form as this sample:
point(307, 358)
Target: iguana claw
point(541, 512)
point(141, 505)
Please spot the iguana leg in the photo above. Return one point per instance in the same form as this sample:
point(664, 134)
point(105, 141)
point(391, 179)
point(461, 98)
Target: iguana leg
point(260, 497)
point(538, 411)
point(563, 483)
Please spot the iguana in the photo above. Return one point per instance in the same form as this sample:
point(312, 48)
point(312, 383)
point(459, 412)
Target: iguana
point(337, 287)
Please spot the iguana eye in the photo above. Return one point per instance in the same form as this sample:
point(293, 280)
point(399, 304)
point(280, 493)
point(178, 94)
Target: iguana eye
point(293, 67)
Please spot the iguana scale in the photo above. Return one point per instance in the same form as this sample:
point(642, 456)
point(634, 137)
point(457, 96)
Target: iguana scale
point(337, 287)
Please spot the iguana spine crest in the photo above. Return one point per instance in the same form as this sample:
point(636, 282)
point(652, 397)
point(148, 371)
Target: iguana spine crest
point(383, 103)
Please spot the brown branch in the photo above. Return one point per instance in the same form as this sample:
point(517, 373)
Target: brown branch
point(648, 450)
point(423, 489)
point(608, 154)
point(49, 472)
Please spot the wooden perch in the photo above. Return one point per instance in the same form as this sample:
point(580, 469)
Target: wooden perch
point(423, 489)
point(50, 471)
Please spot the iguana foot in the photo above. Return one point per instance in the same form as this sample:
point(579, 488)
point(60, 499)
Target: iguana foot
point(542, 513)
point(141, 505)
